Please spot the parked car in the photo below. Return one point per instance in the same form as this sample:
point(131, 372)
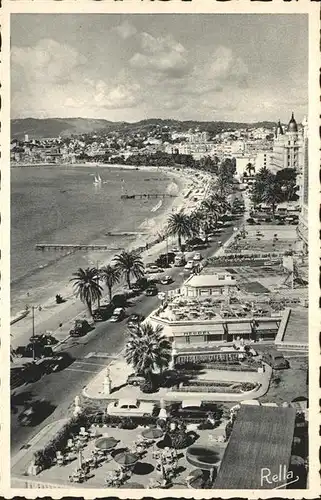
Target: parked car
point(33, 350)
point(81, 328)
point(276, 360)
point(197, 257)
point(98, 315)
point(153, 269)
point(43, 339)
point(165, 260)
point(166, 280)
point(135, 379)
point(151, 291)
point(189, 265)
point(179, 260)
point(118, 314)
point(130, 408)
point(191, 411)
point(134, 319)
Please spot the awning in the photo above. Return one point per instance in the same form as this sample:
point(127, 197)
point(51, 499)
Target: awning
point(266, 326)
point(191, 402)
point(239, 328)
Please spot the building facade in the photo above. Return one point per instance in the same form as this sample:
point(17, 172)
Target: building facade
point(304, 189)
point(287, 148)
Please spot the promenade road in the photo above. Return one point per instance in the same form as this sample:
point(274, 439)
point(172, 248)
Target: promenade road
point(59, 389)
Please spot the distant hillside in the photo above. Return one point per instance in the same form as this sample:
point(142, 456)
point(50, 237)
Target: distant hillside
point(53, 127)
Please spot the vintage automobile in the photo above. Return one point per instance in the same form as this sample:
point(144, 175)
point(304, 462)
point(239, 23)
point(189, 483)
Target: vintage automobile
point(166, 280)
point(276, 360)
point(134, 319)
point(130, 408)
point(81, 328)
point(118, 315)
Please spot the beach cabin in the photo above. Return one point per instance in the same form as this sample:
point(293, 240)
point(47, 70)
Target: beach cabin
point(206, 285)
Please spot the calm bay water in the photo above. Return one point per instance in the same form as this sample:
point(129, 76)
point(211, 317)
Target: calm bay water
point(62, 205)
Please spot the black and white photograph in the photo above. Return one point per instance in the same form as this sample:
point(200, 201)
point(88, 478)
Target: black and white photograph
point(159, 253)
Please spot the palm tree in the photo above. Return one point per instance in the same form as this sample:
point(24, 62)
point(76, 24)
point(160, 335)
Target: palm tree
point(129, 264)
point(181, 225)
point(148, 349)
point(272, 194)
point(87, 287)
point(110, 275)
point(250, 168)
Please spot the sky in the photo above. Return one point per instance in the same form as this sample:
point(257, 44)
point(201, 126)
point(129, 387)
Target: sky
point(241, 67)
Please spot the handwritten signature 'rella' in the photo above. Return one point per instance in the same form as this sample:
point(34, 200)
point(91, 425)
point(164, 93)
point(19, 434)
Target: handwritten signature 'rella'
point(283, 478)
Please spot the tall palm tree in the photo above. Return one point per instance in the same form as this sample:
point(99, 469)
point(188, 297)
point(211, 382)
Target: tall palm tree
point(180, 224)
point(148, 349)
point(87, 287)
point(272, 193)
point(217, 203)
point(111, 276)
point(129, 264)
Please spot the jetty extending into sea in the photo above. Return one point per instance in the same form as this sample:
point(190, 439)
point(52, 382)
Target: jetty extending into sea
point(147, 195)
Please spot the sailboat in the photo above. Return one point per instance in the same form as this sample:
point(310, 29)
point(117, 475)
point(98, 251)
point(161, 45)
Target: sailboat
point(97, 180)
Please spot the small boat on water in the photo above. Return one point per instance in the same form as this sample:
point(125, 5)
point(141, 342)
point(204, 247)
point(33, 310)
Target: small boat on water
point(19, 316)
point(97, 180)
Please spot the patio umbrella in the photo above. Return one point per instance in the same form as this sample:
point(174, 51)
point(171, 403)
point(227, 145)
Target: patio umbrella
point(126, 458)
point(106, 443)
point(152, 433)
point(196, 479)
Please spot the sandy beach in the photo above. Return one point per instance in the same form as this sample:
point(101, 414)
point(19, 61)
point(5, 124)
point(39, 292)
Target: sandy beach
point(52, 317)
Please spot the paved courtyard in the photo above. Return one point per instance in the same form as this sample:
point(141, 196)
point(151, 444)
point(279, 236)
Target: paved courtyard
point(144, 472)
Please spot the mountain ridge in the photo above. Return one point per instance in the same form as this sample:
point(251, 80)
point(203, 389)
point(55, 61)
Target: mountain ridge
point(39, 128)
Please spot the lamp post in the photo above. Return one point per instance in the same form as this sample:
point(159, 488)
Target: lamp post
point(33, 329)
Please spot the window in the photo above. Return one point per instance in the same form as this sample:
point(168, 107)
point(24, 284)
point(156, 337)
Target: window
point(188, 339)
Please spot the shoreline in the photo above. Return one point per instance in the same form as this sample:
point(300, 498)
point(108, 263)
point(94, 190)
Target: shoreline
point(52, 314)
point(120, 166)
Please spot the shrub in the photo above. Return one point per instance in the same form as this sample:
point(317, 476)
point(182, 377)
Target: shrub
point(128, 423)
point(247, 386)
point(148, 386)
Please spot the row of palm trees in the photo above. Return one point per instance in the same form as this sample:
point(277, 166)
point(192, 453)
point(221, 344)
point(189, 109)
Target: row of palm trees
point(203, 219)
point(86, 282)
point(128, 265)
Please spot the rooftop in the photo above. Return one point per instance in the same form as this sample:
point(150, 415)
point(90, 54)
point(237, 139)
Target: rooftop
point(208, 280)
point(261, 438)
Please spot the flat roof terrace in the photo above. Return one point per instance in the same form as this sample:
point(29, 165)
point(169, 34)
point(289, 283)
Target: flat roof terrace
point(261, 439)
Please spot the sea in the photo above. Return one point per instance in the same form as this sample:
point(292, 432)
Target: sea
point(62, 204)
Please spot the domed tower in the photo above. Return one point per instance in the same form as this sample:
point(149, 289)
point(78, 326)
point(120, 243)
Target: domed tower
point(293, 126)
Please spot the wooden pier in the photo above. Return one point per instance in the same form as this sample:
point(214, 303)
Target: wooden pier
point(147, 195)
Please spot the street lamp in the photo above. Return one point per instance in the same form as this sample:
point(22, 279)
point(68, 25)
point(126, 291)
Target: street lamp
point(33, 327)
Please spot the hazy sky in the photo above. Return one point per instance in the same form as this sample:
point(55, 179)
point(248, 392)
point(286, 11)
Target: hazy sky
point(130, 67)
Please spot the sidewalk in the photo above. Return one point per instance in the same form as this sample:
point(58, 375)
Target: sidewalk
point(21, 460)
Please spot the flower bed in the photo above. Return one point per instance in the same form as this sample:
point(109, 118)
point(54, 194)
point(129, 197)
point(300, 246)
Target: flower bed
point(220, 387)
